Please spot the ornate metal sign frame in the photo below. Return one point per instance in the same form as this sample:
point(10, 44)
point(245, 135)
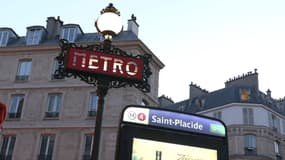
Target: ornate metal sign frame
point(93, 78)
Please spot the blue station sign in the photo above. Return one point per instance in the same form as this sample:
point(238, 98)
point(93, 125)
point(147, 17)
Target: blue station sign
point(174, 120)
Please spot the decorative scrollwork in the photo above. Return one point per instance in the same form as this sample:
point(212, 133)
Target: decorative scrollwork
point(94, 79)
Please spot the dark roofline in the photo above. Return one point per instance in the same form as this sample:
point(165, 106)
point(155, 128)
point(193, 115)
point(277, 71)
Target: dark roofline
point(10, 29)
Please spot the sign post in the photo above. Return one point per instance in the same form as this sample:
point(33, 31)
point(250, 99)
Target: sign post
point(104, 65)
point(154, 133)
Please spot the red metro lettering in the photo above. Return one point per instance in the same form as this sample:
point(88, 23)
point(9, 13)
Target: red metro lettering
point(112, 65)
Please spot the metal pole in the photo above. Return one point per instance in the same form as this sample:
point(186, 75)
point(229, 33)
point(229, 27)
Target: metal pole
point(102, 89)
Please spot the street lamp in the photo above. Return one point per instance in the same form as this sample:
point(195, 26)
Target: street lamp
point(109, 24)
point(104, 65)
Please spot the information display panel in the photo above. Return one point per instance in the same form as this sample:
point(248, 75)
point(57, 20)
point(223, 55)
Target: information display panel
point(159, 134)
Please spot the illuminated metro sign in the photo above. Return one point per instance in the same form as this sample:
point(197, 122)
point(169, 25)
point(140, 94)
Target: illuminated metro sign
point(104, 64)
point(174, 120)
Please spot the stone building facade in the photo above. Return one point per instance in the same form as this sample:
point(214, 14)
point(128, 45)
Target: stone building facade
point(54, 119)
point(255, 121)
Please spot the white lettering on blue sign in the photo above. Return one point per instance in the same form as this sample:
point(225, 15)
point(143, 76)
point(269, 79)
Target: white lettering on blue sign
point(176, 122)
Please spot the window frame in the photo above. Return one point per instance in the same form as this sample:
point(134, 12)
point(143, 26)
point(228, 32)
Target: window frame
point(250, 146)
point(48, 147)
point(54, 104)
point(248, 116)
point(16, 106)
point(274, 122)
point(8, 152)
point(69, 34)
point(4, 37)
point(24, 70)
point(87, 152)
point(93, 105)
point(34, 36)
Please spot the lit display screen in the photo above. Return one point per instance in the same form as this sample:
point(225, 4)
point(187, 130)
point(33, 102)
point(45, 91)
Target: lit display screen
point(144, 149)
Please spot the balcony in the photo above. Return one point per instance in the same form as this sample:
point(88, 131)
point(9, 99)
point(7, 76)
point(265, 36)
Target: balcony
point(86, 157)
point(45, 157)
point(14, 115)
point(250, 151)
point(92, 113)
point(52, 114)
point(22, 77)
point(5, 157)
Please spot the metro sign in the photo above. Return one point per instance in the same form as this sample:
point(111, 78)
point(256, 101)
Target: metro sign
point(104, 64)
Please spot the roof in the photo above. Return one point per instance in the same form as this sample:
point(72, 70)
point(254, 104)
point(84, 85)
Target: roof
point(227, 95)
point(84, 38)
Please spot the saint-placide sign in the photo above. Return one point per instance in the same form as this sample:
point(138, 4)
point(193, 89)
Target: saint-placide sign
point(104, 64)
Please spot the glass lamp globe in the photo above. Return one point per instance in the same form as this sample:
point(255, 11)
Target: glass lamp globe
point(109, 22)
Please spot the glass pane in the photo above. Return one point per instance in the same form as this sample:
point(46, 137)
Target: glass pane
point(11, 146)
point(14, 104)
point(93, 103)
point(88, 144)
point(20, 104)
point(43, 145)
point(50, 145)
point(51, 105)
point(4, 145)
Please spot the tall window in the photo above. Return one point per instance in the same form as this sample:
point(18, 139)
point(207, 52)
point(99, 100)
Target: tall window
point(54, 105)
point(93, 104)
point(88, 147)
point(47, 145)
point(250, 144)
point(218, 114)
point(69, 34)
point(34, 37)
point(54, 68)
point(276, 147)
point(16, 106)
point(274, 122)
point(248, 116)
point(7, 147)
point(24, 70)
point(3, 38)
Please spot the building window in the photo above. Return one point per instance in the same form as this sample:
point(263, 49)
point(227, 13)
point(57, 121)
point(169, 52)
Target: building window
point(248, 116)
point(4, 35)
point(34, 37)
point(16, 106)
point(93, 104)
point(218, 114)
point(54, 105)
point(274, 122)
point(276, 147)
point(88, 147)
point(250, 144)
point(7, 147)
point(24, 70)
point(69, 34)
point(47, 145)
point(55, 67)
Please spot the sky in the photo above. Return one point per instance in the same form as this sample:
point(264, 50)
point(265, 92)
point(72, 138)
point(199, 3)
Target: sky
point(206, 42)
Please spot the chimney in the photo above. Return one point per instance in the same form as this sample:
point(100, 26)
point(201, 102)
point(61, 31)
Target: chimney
point(53, 27)
point(268, 93)
point(133, 25)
